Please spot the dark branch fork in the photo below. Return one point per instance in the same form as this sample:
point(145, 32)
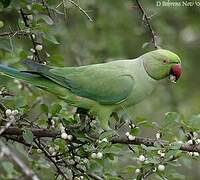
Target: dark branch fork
point(146, 19)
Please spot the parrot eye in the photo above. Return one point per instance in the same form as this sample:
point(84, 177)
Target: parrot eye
point(165, 61)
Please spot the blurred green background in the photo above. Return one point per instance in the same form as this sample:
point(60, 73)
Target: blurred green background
point(117, 32)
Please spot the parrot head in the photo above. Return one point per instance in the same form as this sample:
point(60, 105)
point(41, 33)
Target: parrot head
point(161, 63)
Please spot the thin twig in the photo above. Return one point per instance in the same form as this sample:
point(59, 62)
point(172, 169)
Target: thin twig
point(145, 18)
point(3, 108)
point(51, 159)
point(82, 10)
point(7, 125)
point(15, 33)
point(24, 168)
point(44, 3)
point(31, 35)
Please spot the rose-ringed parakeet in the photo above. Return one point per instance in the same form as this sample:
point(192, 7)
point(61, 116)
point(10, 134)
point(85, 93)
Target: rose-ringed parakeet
point(103, 88)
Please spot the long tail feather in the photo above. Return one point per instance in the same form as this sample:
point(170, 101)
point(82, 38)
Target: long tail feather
point(33, 78)
point(14, 73)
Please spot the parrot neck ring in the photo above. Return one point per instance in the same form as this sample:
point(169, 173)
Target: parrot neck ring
point(175, 73)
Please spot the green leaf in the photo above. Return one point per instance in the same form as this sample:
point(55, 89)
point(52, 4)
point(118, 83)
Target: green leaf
point(176, 175)
point(5, 3)
point(170, 119)
point(135, 131)
point(50, 38)
point(44, 108)
point(47, 19)
point(149, 148)
point(8, 167)
point(55, 109)
point(28, 136)
point(175, 146)
point(23, 54)
point(173, 152)
point(194, 121)
point(107, 134)
point(1, 24)
point(38, 7)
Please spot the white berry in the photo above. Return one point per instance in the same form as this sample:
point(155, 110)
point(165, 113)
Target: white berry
point(64, 135)
point(16, 81)
point(54, 153)
point(93, 155)
point(32, 50)
point(131, 138)
point(161, 167)
point(190, 153)
point(198, 141)
point(30, 17)
point(155, 169)
point(142, 158)
point(190, 142)
point(104, 140)
point(85, 161)
point(127, 133)
point(196, 154)
point(157, 135)
point(77, 158)
point(99, 155)
point(70, 137)
point(30, 57)
point(19, 86)
point(15, 112)
point(33, 36)
point(162, 154)
point(39, 150)
point(159, 152)
point(8, 112)
point(137, 171)
point(52, 122)
point(38, 47)
point(133, 125)
point(51, 150)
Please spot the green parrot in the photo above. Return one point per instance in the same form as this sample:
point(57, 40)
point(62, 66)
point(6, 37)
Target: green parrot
point(103, 88)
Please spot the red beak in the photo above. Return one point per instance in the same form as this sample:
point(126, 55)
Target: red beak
point(176, 71)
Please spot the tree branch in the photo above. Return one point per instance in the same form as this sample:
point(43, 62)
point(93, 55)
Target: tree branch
point(146, 19)
point(39, 133)
point(82, 10)
point(15, 33)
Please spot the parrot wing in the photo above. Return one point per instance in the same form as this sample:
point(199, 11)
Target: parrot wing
point(106, 85)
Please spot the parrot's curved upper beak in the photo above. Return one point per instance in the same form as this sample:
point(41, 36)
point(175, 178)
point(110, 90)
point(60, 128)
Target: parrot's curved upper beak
point(175, 73)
